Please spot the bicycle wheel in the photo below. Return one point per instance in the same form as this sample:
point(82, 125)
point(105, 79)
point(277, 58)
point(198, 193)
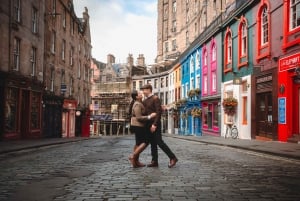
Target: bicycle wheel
point(234, 132)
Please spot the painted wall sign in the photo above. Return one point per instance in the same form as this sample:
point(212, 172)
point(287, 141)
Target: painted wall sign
point(282, 110)
point(289, 62)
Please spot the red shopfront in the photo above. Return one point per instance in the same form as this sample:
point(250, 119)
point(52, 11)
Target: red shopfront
point(68, 118)
point(289, 97)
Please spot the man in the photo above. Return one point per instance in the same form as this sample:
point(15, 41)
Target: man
point(153, 105)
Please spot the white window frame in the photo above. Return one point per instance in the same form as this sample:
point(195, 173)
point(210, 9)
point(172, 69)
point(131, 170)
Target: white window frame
point(244, 40)
point(294, 14)
point(34, 20)
point(264, 26)
point(33, 61)
point(16, 54)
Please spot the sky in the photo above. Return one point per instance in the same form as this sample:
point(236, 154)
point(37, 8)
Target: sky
point(121, 27)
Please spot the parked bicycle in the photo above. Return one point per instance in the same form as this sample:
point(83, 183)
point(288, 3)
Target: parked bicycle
point(231, 130)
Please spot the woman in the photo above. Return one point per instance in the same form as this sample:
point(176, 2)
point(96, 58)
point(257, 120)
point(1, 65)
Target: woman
point(137, 125)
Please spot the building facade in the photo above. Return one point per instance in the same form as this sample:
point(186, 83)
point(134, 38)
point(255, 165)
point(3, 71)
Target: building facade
point(21, 68)
point(66, 70)
point(181, 21)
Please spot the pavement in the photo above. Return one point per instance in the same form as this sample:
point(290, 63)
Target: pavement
point(276, 148)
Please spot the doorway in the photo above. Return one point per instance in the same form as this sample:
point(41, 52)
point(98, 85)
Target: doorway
point(264, 115)
point(24, 115)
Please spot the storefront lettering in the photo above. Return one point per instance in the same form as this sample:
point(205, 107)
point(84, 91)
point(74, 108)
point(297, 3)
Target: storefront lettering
point(289, 62)
point(264, 79)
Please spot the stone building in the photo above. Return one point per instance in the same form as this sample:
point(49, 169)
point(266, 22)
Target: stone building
point(21, 68)
point(181, 21)
point(66, 69)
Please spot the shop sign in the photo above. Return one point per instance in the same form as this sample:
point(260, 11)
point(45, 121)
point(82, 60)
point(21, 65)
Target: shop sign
point(289, 62)
point(282, 110)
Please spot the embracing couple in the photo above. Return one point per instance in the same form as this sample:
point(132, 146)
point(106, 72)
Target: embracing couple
point(146, 125)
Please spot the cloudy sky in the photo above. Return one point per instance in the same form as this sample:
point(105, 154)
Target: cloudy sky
point(120, 27)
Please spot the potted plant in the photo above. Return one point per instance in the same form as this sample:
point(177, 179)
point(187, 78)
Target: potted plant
point(191, 93)
point(196, 112)
point(229, 105)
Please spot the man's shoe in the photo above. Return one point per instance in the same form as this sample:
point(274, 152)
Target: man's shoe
point(172, 162)
point(153, 164)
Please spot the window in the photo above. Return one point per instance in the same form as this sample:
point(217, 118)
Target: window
point(167, 81)
point(17, 10)
point(186, 89)
point(72, 26)
point(244, 40)
point(53, 41)
point(213, 53)
point(229, 48)
point(205, 84)
point(197, 59)
point(16, 54)
point(205, 58)
point(191, 64)
point(192, 83)
point(205, 115)
point(79, 70)
point(63, 50)
point(295, 14)
point(228, 51)
point(155, 83)
point(140, 84)
point(174, 7)
point(187, 38)
point(53, 6)
point(214, 81)
point(162, 82)
point(85, 73)
point(174, 46)
point(264, 26)
point(35, 111)
point(174, 25)
point(64, 18)
point(263, 31)
point(11, 109)
point(33, 61)
point(52, 80)
point(216, 112)
point(198, 82)
point(71, 86)
point(34, 20)
point(166, 47)
point(71, 56)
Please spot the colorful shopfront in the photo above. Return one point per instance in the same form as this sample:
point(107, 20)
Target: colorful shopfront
point(289, 97)
point(68, 118)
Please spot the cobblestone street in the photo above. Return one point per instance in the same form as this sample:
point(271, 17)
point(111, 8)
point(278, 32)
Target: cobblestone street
point(98, 169)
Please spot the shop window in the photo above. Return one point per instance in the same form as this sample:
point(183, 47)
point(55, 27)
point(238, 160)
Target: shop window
point(11, 110)
point(216, 111)
point(209, 116)
point(205, 115)
point(35, 111)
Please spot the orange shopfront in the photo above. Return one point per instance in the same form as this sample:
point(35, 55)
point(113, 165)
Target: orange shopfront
point(289, 97)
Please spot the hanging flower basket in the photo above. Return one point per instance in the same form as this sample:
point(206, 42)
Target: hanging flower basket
point(229, 105)
point(196, 112)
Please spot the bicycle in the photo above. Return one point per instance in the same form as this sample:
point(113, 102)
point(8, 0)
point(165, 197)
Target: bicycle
point(234, 133)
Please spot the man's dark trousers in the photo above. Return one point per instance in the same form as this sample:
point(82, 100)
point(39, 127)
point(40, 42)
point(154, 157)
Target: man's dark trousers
point(156, 139)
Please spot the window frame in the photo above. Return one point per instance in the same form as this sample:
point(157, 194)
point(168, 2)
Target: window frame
point(242, 42)
point(228, 50)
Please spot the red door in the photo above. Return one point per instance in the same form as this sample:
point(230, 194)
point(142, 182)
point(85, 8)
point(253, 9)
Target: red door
point(296, 110)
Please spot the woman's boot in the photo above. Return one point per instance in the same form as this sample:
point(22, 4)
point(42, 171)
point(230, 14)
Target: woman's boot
point(133, 158)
